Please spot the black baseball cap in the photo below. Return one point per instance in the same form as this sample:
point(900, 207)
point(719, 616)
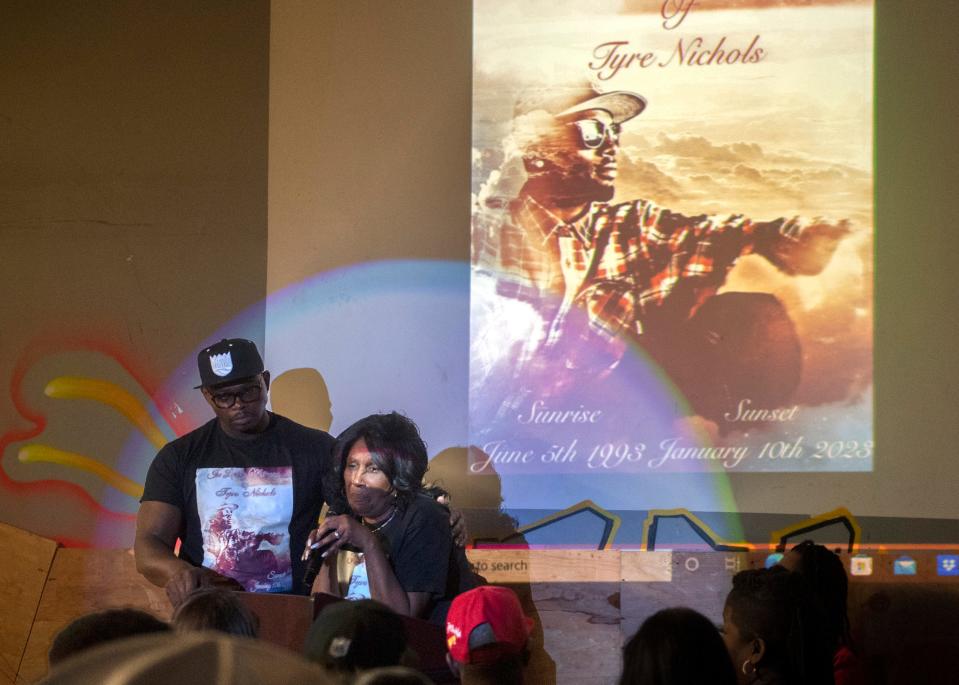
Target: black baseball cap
point(228, 361)
point(356, 635)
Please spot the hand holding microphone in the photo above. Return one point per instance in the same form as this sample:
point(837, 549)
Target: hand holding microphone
point(335, 533)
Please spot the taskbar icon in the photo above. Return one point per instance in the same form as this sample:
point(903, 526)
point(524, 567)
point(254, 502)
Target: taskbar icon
point(947, 564)
point(860, 565)
point(905, 565)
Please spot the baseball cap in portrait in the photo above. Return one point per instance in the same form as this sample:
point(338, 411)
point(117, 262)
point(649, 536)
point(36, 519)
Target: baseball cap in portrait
point(563, 100)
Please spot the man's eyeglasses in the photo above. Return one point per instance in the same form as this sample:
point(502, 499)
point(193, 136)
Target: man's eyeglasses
point(225, 400)
point(593, 132)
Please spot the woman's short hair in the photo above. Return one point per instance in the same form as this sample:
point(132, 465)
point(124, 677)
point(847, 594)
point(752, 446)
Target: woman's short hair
point(778, 607)
point(210, 608)
point(676, 646)
point(396, 448)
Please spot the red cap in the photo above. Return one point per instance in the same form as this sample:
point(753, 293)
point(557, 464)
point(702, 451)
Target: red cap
point(497, 613)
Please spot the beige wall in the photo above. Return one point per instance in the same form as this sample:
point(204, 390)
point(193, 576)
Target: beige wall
point(369, 134)
point(133, 140)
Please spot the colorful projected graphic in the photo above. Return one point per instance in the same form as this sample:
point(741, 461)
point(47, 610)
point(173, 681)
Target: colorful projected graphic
point(341, 345)
point(672, 237)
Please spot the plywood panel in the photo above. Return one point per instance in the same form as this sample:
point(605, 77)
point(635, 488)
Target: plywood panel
point(699, 581)
point(82, 581)
point(581, 629)
point(646, 567)
point(26, 561)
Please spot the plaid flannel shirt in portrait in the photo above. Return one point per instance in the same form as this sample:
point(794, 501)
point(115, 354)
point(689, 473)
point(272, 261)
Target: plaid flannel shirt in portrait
point(631, 266)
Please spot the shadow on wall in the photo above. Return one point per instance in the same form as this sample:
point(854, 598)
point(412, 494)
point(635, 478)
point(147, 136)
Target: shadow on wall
point(477, 494)
point(302, 396)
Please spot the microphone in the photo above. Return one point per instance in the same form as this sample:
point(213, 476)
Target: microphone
point(314, 562)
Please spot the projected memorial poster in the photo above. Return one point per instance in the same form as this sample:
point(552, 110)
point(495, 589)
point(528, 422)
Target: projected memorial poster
point(672, 236)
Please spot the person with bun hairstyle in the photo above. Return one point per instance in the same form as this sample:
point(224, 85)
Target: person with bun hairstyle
point(826, 577)
point(775, 630)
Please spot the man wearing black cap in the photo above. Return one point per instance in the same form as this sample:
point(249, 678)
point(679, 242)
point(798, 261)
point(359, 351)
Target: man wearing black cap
point(601, 274)
point(241, 492)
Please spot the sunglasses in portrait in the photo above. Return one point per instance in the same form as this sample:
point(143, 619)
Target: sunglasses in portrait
point(225, 400)
point(593, 132)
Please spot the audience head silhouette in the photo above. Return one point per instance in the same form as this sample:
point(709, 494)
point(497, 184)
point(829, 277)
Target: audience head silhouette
point(356, 636)
point(209, 608)
point(97, 628)
point(774, 630)
point(487, 634)
point(824, 573)
point(677, 647)
point(200, 658)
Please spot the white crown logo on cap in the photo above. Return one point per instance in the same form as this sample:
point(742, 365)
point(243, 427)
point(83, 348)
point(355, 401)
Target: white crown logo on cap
point(339, 647)
point(222, 364)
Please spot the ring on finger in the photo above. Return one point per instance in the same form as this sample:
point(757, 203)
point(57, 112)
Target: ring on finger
point(336, 534)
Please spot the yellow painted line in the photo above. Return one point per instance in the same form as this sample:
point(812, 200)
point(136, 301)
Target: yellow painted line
point(585, 505)
point(812, 521)
point(690, 518)
point(45, 453)
point(73, 387)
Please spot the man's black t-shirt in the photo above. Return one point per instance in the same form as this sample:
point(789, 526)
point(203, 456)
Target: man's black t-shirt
point(248, 504)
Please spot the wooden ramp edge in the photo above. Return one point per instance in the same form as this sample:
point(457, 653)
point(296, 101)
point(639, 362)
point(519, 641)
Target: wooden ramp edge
point(27, 559)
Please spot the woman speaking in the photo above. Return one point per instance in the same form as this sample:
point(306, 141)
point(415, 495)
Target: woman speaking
point(400, 536)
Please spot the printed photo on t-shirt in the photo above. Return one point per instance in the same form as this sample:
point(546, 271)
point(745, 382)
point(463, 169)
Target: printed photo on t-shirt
point(359, 587)
point(245, 518)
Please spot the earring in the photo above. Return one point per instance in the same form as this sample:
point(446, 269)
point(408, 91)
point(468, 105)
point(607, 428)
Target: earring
point(751, 667)
point(538, 163)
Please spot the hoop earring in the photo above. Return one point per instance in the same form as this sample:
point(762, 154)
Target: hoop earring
point(752, 668)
